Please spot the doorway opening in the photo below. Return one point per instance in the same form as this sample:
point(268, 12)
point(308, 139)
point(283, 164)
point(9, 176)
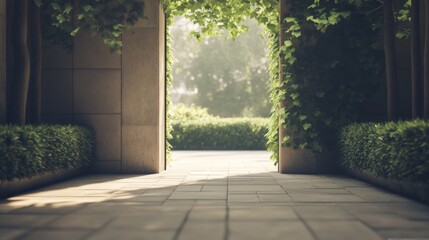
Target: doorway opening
point(219, 98)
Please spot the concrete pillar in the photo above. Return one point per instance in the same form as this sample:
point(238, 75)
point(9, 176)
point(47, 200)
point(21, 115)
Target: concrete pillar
point(121, 96)
point(2, 61)
point(143, 95)
point(291, 160)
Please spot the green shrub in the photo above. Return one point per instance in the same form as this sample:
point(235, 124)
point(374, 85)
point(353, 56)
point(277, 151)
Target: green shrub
point(26, 151)
point(182, 113)
point(398, 150)
point(220, 134)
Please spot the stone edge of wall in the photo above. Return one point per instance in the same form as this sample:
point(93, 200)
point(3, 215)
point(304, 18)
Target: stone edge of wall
point(16, 186)
point(415, 191)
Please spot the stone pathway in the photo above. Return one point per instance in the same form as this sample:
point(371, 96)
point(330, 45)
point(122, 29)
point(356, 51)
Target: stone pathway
point(213, 195)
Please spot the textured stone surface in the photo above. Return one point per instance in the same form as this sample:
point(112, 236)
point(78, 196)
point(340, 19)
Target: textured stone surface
point(193, 200)
point(91, 53)
point(140, 149)
point(57, 91)
point(108, 134)
point(56, 57)
point(2, 7)
point(57, 118)
point(108, 166)
point(97, 91)
point(141, 66)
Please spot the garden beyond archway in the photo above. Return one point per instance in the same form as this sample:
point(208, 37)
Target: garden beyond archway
point(302, 37)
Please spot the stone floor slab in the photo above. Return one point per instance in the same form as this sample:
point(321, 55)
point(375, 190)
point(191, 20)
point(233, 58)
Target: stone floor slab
point(207, 230)
point(212, 195)
point(340, 230)
point(56, 234)
point(268, 230)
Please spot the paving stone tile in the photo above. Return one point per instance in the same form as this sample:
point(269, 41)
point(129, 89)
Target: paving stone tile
point(148, 221)
point(211, 203)
point(243, 198)
point(318, 191)
point(9, 234)
point(7, 207)
point(56, 234)
point(158, 192)
point(213, 230)
point(190, 188)
point(402, 234)
point(346, 181)
point(325, 198)
point(340, 230)
point(362, 207)
point(268, 230)
point(207, 213)
point(261, 213)
point(173, 202)
point(25, 220)
point(141, 198)
point(288, 185)
point(390, 220)
point(376, 195)
point(214, 188)
point(197, 195)
point(115, 234)
point(112, 208)
point(274, 198)
point(255, 188)
point(80, 221)
point(412, 210)
point(260, 204)
point(54, 208)
point(322, 213)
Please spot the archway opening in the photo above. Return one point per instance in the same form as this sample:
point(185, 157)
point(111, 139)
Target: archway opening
point(191, 84)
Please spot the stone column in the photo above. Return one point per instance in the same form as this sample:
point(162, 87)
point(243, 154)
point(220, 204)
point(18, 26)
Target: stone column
point(291, 160)
point(143, 93)
point(2, 61)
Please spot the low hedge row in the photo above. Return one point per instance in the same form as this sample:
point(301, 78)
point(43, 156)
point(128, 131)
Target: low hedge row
point(398, 151)
point(220, 134)
point(28, 150)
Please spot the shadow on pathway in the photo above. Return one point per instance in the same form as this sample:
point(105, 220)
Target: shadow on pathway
point(212, 195)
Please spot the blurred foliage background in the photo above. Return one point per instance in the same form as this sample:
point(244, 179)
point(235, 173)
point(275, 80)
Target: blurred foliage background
point(227, 76)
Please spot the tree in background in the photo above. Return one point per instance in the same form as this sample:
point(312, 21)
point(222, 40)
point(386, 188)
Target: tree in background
point(229, 77)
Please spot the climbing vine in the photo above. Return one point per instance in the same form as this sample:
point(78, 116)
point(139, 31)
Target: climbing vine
point(331, 60)
point(109, 19)
point(216, 16)
point(331, 67)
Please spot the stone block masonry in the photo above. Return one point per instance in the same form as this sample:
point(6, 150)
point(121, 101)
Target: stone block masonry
point(121, 96)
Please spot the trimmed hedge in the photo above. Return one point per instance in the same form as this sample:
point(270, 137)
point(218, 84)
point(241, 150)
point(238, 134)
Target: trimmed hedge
point(220, 134)
point(28, 150)
point(397, 151)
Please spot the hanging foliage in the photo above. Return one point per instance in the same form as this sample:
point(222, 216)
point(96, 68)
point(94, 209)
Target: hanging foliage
point(330, 64)
point(106, 18)
point(331, 67)
point(216, 16)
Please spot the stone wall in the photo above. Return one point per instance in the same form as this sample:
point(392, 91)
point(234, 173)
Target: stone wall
point(120, 96)
point(2, 61)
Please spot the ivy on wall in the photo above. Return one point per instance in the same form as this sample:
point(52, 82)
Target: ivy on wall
point(109, 19)
point(330, 65)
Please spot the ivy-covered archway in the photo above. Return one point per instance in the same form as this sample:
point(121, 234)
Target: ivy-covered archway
point(324, 64)
point(217, 16)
